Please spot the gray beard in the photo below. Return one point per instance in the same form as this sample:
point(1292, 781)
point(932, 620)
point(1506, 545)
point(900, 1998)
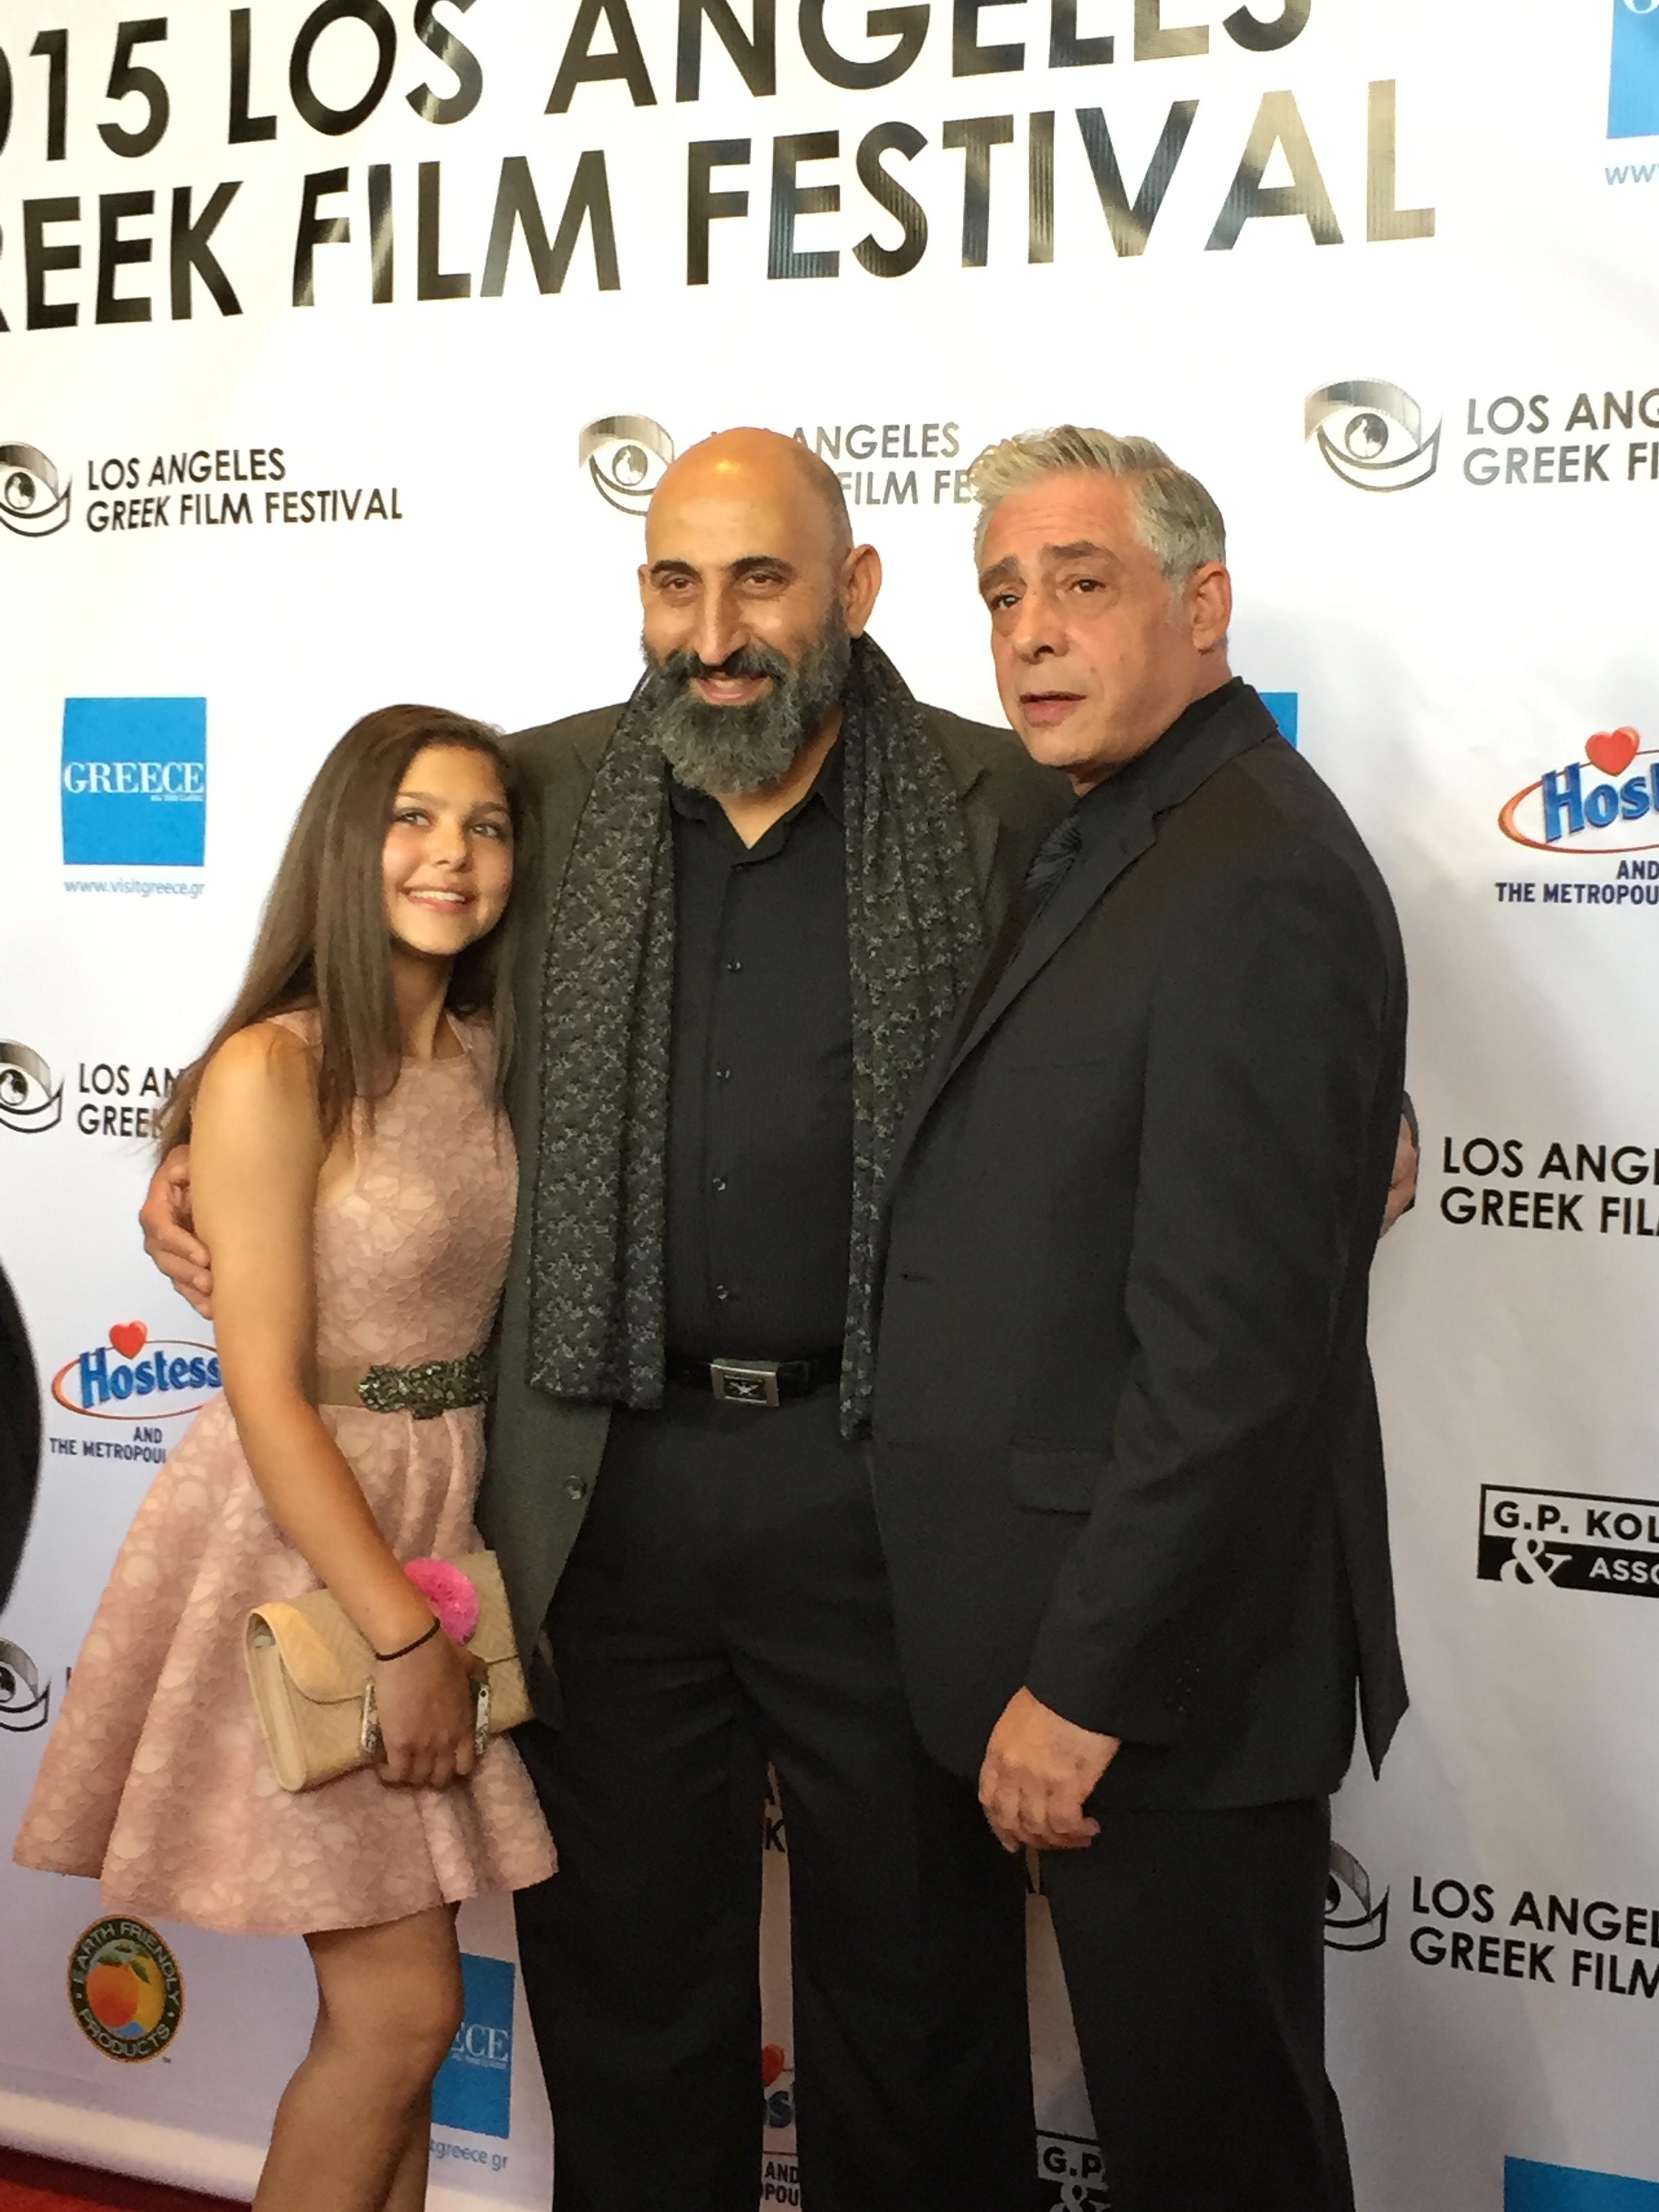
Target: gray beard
point(733, 750)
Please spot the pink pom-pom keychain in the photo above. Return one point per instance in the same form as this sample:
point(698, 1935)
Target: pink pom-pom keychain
point(449, 1594)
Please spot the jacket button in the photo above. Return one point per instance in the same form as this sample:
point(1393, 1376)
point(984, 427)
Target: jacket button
point(576, 1491)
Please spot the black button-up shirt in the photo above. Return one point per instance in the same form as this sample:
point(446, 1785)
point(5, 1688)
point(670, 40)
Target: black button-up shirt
point(760, 1100)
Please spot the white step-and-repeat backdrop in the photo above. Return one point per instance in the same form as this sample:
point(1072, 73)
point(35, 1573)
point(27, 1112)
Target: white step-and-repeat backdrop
point(341, 345)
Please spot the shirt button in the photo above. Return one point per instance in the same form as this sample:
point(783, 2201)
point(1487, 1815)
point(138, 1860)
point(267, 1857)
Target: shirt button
point(722, 1292)
point(722, 1075)
point(734, 967)
point(718, 1183)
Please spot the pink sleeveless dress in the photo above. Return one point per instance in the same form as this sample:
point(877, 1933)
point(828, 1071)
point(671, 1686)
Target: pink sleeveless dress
point(155, 1778)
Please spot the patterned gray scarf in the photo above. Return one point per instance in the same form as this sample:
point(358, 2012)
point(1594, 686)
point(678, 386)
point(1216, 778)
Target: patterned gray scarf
point(915, 943)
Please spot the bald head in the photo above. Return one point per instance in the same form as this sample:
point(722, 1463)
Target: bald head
point(753, 469)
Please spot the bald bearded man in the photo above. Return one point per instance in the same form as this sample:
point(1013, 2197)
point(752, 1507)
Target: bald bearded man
point(768, 882)
point(763, 885)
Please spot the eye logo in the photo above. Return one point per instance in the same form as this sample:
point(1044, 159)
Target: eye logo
point(1371, 434)
point(28, 1101)
point(625, 455)
point(24, 1706)
point(32, 503)
point(1353, 1922)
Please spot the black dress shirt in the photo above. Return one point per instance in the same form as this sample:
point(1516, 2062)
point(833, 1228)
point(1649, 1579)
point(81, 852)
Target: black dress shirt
point(760, 1100)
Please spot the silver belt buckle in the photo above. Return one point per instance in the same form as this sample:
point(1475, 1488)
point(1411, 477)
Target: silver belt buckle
point(744, 1382)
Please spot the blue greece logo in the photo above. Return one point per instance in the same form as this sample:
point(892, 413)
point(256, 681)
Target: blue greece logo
point(1633, 78)
point(135, 783)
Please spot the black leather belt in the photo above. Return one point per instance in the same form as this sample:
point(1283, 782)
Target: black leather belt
point(756, 1381)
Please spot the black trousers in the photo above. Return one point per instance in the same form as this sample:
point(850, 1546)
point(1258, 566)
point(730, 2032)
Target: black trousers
point(726, 1605)
point(1193, 1950)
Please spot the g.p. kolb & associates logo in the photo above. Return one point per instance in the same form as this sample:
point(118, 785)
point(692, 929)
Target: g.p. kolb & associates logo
point(132, 1373)
point(625, 455)
point(1371, 433)
point(1567, 812)
point(135, 783)
point(1569, 1540)
point(33, 502)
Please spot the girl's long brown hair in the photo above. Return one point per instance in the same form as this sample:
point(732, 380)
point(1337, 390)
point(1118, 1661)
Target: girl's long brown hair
point(323, 939)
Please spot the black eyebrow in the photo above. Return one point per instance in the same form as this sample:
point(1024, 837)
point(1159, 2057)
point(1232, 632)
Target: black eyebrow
point(744, 567)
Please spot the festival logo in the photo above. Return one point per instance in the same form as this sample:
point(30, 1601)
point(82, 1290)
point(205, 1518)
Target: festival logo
point(1569, 1540)
point(1371, 435)
point(29, 1100)
point(625, 455)
point(1568, 811)
point(1633, 71)
point(135, 783)
point(33, 504)
point(24, 1706)
point(126, 1989)
point(1352, 1922)
point(132, 1375)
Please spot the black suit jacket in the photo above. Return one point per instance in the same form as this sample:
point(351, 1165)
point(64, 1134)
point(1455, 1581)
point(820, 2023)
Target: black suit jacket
point(20, 1436)
point(544, 1452)
point(1126, 1442)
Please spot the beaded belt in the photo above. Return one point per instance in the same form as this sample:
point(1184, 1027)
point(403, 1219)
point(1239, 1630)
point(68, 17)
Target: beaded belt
point(435, 1387)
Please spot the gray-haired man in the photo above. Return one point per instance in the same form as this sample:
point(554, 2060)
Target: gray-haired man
point(1127, 1459)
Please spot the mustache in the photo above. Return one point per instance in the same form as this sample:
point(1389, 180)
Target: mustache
point(747, 661)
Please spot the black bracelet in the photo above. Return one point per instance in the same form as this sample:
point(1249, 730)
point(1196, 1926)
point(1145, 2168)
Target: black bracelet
point(403, 1650)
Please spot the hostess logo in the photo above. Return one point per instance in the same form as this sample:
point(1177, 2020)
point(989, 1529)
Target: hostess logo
point(135, 783)
point(107, 1383)
point(1591, 805)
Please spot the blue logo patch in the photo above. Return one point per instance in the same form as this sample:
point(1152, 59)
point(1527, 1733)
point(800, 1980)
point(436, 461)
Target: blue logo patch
point(1283, 706)
point(473, 2090)
point(135, 783)
point(1633, 80)
point(1530, 2187)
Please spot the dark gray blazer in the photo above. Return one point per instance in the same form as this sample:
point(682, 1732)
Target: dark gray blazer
point(544, 1452)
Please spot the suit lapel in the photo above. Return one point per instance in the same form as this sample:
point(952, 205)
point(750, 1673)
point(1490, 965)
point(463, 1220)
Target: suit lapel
point(1169, 773)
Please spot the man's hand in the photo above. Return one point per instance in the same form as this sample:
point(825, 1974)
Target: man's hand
point(165, 1218)
point(1038, 1771)
point(1402, 1188)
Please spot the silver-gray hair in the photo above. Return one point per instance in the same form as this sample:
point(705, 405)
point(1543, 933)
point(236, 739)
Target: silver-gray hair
point(1175, 519)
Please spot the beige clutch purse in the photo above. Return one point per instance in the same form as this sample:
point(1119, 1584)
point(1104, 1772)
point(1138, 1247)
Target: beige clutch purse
point(314, 1679)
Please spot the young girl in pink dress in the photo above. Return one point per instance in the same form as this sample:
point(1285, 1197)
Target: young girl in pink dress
point(353, 1177)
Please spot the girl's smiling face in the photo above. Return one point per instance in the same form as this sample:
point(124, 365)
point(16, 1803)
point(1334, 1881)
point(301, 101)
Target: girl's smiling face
point(446, 865)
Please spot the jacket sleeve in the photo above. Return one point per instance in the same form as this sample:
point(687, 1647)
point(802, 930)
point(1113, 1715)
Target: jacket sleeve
point(1262, 1173)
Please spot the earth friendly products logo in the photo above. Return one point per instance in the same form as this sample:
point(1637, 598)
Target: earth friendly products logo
point(126, 1989)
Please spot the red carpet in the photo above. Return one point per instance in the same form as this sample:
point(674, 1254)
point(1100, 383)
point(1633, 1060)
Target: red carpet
point(48, 2185)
